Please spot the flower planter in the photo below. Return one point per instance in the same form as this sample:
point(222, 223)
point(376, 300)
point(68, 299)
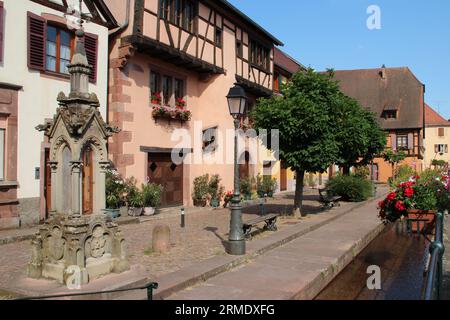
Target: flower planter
point(149, 211)
point(112, 213)
point(134, 212)
point(200, 202)
point(428, 215)
point(215, 203)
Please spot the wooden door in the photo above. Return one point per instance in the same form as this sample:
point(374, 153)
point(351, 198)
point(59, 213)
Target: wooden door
point(88, 181)
point(161, 170)
point(244, 166)
point(47, 183)
point(283, 177)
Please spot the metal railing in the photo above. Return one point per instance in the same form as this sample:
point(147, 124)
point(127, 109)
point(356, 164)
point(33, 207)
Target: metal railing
point(149, 287)
point(433, 282)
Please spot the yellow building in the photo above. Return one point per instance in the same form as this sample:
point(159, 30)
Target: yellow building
point(437, 137)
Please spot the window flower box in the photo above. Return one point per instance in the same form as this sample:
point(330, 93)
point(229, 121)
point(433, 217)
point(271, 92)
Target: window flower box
point(170, 113)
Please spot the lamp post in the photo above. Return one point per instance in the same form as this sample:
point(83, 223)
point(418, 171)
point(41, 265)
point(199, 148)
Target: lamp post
point(237, 101)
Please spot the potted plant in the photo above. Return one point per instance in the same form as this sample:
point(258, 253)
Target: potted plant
point(151, 193)
point(114, 189)
point(215, 191)
point(135, 202)
point(265, 186)
point(201, 190)
point(156, 98)
point(246, 188)
point(227, 198)
point(416, 199)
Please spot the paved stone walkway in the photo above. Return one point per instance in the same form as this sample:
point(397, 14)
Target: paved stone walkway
point(298, 270)
point(201, 239)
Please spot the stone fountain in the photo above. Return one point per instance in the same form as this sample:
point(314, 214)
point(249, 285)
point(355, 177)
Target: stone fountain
point(73, 236)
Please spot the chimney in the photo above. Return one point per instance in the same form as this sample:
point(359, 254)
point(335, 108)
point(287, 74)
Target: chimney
point(383, 72)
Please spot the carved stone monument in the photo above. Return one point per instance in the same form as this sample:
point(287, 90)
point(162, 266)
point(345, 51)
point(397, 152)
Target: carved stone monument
point(78, 232)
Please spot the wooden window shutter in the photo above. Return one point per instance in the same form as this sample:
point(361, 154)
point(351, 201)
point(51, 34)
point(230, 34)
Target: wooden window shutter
point(441, 132)
point(436, 148)
point(91, 45)
point(37, 34)
point(410, 141)
point(1, 31)
point(446, 148)
point(394, 141)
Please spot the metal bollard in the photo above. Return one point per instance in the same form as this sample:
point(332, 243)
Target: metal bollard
point(183, 224)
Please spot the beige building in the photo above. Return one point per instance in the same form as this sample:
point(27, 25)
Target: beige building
point(437, 137)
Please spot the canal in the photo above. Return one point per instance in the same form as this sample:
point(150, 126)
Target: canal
point(402, 258)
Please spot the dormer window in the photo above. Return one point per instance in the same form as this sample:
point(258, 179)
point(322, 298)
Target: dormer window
point(389, 114)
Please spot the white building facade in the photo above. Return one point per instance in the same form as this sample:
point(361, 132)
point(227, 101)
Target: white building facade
point(36, 44)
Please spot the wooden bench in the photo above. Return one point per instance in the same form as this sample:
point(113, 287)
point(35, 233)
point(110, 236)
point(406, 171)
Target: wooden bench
point(269, 219)
point(328, 201)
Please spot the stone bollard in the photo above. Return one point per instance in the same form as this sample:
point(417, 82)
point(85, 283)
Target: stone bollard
point(161, 239)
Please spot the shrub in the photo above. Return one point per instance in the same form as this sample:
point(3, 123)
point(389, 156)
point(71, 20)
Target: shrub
point(350, 188)
point(215, 190)
point(152, 193)
point(428, 175)
point(115, 190)
point(402, 174)
point(201, 187)
point(362, 172)
point(265, 185)
point(246, 188)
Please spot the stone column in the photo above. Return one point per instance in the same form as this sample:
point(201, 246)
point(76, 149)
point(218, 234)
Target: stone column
point(54, 178)
point(104, 166)
point(76, 187)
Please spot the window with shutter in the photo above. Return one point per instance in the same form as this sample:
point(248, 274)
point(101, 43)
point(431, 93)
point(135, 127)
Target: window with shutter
point(37, 31)
point(1, 31)
point(91, 45)
point(441, 132)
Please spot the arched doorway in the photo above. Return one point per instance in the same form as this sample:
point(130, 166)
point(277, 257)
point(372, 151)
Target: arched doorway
point(88, 180)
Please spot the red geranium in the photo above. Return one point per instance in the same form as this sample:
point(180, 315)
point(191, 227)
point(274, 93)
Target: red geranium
point(391, 196)
point(409, 192)
point(400, 206)
point(382, 204)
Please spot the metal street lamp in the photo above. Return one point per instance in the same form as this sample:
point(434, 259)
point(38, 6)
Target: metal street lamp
point(237, 101)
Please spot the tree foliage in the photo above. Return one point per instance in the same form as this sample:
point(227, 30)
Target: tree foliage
point(358, 134)
point(304, 116)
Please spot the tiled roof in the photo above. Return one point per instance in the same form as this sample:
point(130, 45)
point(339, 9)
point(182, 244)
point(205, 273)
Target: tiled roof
point(386, 89)
point(432, 118)
point(286, 62)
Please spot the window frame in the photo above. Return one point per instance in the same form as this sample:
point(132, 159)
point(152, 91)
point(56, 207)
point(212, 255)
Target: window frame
point(174, 77)
point(385, 114)
point(401, 138)
point(58, 29)
point(259, 56)
point(181, 13)
point(218, 41)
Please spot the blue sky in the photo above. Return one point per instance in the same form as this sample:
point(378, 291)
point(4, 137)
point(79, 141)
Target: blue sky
point(333, 34)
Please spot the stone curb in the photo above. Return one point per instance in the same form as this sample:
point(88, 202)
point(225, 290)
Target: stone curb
point(166, 290)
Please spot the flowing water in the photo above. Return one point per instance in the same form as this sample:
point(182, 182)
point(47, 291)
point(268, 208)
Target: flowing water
point(402, 259)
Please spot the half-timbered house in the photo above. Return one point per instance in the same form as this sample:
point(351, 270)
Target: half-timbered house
point(186, 53)
point(396, 97)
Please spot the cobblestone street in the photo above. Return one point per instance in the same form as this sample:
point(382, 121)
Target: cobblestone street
point(199, 240)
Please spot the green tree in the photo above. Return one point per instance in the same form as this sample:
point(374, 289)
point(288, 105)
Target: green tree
point(304, 116)
point(358, 134)
point(393, 158)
